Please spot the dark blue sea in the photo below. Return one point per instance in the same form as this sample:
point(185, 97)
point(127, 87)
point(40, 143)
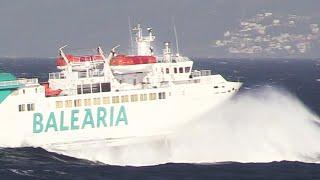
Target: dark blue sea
point(296, 83)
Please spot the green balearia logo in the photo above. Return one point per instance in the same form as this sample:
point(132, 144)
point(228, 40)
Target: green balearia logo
point(99, 118)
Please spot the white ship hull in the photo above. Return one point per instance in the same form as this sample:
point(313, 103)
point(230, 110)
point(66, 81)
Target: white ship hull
point(123, 121)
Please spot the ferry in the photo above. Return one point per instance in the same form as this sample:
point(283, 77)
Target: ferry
point(113, 98)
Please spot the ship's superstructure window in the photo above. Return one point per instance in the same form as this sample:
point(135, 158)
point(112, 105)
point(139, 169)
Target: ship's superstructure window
point(96, 101)
point(124, 98)
point(68, 103)
point(79, 89)
point(143, 97)
point(106, 100)
point(22, 107)
point(86, 88)
point(115, 99)
point(181, 70)
point(93, 88)
point(96, 88)
point(103, 100)
point(162, 95)
point(167, 70)
point(187, 69)
point(59, 104)
point(105, 87)
point(87, 102)
point(77, 103)
point(30, 107)
point(152, 96)
point(175, 70)
point(134, 98)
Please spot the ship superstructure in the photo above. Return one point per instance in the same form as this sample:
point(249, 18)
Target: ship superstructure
point(112, 98)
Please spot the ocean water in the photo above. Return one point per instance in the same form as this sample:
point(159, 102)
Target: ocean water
point(270, 130)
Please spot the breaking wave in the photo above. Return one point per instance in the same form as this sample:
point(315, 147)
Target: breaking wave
point(263, 125)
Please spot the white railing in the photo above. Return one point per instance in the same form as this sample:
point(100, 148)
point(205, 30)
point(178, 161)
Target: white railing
point(18, 82)
point(205, 72)
point(91, 74)
point(28, 81)
point(9, 83)
point(57, 75)
point(197, 73)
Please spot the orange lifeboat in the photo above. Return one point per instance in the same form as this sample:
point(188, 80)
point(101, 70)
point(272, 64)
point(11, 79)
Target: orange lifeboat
point(121, 60)
point(51, 92)
point(78, 59)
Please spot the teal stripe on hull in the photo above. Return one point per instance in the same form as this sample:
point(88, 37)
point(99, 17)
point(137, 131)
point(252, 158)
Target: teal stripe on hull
point(4, 94)
point(6, 90)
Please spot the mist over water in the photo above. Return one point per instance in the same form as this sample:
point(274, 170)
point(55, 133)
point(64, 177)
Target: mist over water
point(264, 125)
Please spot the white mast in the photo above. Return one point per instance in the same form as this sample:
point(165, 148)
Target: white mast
point(130, 33)
point(176, 37)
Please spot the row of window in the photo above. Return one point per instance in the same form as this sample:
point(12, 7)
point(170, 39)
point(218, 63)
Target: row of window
point(108, 100)
point(181, 70)
point(22, 107)
point(93, 88)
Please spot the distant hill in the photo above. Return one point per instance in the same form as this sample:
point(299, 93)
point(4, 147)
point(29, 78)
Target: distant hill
point(272, 35)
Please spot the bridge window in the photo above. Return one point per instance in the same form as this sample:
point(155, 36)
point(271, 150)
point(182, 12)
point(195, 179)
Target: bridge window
point(59, 104)
point(162, 95)
point(181, 70)
point(167, 70)
point(134, 98)
point(96, 88)
point(152, 96)
point(77, 103)
point(143, 97)
point(87, 102)
point(115, 99)
point(105, 87)
point(106, 100)
point(187, 69)
point(22, 107)
point(79, 89)
point(86, 88)
point(175, 70)
point(68, 103)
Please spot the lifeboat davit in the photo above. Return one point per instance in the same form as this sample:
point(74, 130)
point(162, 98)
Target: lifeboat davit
point(122, 60)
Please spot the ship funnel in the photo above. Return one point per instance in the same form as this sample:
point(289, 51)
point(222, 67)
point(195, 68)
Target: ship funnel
point(144, 47)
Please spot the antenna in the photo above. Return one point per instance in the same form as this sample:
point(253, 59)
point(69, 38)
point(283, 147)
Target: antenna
point(175, 35)
point(130, 32)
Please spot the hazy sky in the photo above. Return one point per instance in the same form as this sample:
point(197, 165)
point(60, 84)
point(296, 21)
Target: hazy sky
point(36, 28)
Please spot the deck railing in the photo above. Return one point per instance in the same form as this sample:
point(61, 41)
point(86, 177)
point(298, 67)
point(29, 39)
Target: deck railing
point(197, 73)
point(57, 75)
point(17, 83)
